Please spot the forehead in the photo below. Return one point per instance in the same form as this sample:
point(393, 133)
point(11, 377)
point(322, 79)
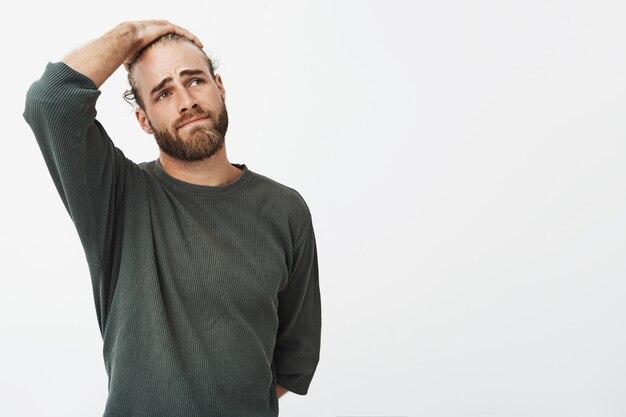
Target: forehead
point(168, 60)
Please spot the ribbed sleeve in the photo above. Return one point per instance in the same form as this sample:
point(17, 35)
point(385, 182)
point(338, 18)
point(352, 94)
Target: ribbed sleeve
point(300, 318)
point(85, 166)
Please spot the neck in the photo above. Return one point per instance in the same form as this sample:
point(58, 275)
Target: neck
point(214, 171)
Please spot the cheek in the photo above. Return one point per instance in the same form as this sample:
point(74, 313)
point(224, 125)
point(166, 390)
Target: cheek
point(162, 122)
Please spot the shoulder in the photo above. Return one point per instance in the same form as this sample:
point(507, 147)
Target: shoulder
point(286, 200)
point(283, 194)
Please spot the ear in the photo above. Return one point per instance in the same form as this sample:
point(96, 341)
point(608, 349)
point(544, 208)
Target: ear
point(220, 86)
point(143, 120)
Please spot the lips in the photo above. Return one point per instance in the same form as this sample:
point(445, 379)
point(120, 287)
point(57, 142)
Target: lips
point(193, 120)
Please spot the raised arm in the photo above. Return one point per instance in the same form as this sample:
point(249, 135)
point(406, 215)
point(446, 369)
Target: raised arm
point(89, 172)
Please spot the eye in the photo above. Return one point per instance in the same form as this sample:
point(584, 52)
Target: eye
point(165, 92)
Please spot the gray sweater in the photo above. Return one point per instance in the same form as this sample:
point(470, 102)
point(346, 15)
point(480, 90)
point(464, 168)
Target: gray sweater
point(206, 296)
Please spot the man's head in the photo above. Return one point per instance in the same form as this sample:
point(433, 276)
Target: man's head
point(194, 91)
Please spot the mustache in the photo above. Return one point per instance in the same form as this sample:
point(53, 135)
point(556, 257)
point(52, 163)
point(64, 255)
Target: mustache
point(188, 117)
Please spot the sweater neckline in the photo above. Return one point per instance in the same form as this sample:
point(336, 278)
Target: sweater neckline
point(203, 189)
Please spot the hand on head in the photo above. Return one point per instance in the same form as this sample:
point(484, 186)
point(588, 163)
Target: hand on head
point(147, 31)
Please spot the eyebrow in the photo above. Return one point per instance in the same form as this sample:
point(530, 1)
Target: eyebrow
point(167, 80)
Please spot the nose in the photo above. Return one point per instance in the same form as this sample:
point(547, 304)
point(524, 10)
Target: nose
point(187, 101)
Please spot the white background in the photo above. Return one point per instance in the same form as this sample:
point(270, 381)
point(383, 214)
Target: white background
point(464, 165)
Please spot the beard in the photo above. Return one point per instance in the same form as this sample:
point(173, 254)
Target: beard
point(199, 142)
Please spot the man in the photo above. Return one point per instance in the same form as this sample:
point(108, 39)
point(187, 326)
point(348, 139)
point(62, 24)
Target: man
point(204, 272)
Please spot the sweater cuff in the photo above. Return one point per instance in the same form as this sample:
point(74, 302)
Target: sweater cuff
point(295, 383)
point(59, 72)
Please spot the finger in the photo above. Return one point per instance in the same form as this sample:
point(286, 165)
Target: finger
point(170, 27)
point(189, 35)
